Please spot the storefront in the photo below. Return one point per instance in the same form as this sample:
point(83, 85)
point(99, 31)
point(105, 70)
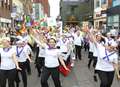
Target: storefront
point(113, 20)
point(100, 18)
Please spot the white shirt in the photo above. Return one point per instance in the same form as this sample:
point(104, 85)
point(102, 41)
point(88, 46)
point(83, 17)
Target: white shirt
point(64, 45)
point(7, 62)
point(51, 58)
point(91, 46)
point(108, 41)
point(95, 52)
point(105, 64)
point(29, 50)
point(78, 40)
point(41, 52)
point(22, 53)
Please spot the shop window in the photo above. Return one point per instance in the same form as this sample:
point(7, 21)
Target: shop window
point(115, 3)
point(103, 1)
point(97, 4)
point(2, 2)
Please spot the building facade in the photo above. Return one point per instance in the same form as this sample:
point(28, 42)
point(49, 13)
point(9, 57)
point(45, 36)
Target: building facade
point(45, 6)
point(5, 13)
point(100, 15)
point(113, 13)
point(76, 10)
point(38, 11)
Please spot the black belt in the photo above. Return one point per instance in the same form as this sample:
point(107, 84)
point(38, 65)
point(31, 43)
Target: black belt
point(64, 52)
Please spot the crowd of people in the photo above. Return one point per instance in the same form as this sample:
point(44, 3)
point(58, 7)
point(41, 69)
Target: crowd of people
point(49, 49)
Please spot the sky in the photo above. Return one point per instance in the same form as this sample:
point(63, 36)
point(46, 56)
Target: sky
point(54, 8)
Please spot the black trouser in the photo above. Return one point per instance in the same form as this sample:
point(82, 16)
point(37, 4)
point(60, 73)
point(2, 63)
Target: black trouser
point(106, 78)
point(86, 46)
point(55, 76)
point(39, 64)
point(90, 56)
point(95, 61)
point(28, 67)
point(78, 51)
point(7, 74)
point(68, 59)
point(23, 74)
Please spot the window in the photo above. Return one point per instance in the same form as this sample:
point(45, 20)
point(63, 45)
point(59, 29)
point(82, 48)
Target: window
point(115, 3)
point(103, 1)
point(9, 7)
point(2, 2)
point(98, 4)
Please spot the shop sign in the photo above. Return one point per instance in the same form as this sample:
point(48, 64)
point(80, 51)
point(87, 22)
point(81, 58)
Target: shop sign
point(4, 20)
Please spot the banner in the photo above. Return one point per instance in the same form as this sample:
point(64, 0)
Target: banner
point(51, 21)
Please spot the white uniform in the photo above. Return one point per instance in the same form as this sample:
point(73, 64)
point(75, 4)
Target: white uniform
point(78, 40)
point(41, 52)
point(105, 63)
point(108, 41)
point(7, 62)
point(91, 46)
point(29, 50)
point(22, 53)
point(64, 45)
point(51, 58)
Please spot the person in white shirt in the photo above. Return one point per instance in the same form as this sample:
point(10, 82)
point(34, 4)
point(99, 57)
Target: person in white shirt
point(107, 63)
point(90, 54)
point(78, 44)
point(30, 53)
point(22, 56)
point(52, 58)
point(40, 59)
point(8, 64)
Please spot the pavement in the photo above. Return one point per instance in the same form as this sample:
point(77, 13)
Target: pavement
point(80, 76)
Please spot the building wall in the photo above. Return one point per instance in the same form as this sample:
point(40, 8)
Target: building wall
point(18, 5)
point(5, 10)
point(100, 15)
point(83, 9)
point(45, 4)
point(38, 11)
point(113, 18)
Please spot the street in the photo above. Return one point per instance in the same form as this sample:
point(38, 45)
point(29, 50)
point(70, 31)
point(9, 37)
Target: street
point(80, 76)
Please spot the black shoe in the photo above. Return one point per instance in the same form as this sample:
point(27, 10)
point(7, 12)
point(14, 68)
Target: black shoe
point(95, 78)
point(39, 74)
point(88, 66)
point(17, 84)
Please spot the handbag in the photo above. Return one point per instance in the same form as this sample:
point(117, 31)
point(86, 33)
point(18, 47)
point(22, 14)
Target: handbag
point(63, 71)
